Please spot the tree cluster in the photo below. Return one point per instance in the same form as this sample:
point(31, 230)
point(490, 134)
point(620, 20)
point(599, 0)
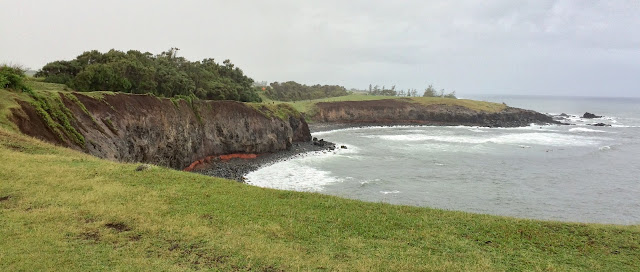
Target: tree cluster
point(293, 91)
point(164, 74)
point(12, 77)
point(431, 92)
point(428, 92)
point(376, 90)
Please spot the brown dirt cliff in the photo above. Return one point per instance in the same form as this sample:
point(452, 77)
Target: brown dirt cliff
point(404, 111)
point(144, 128)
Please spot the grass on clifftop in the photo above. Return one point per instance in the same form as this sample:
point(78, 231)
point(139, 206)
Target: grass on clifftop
point(308, 106)
point(67, 211)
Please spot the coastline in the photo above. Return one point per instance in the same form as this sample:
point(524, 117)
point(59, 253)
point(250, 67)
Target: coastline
point(237, 168)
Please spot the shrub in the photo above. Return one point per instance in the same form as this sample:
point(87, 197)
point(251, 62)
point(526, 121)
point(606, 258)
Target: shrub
point(12, 77)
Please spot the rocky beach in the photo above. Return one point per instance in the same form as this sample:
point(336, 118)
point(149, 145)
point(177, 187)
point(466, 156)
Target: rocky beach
point(237, 168)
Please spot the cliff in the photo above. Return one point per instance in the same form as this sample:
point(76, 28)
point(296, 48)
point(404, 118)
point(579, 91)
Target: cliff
point(168, 132)
point(408, 111)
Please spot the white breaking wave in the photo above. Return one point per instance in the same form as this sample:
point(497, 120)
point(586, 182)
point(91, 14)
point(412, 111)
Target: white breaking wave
point(390, 192)
point(295, 175)
point(623, 126)
point(550, 139)
point(476, 130)
point(580, 129)
point(292, 176)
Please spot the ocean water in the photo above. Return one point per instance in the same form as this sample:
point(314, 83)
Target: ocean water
point(577, 173)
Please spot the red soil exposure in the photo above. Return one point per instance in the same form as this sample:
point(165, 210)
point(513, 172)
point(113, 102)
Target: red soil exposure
point(227, 157)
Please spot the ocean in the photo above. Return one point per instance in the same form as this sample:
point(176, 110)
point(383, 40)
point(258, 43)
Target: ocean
point(576, 173)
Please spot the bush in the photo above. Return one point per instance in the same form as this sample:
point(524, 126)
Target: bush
point(12, 77)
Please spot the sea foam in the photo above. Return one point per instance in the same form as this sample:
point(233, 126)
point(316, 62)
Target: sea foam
point(535, 138)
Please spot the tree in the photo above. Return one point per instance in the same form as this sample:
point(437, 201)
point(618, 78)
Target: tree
point(165, 74)
point(293, 91)
point(429, 91)
point(451, 95)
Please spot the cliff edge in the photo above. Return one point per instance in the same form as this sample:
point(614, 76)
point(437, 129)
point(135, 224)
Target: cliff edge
point(429, 112)
point(168, 132)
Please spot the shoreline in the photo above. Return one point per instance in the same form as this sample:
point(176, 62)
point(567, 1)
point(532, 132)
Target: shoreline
point(237, 168)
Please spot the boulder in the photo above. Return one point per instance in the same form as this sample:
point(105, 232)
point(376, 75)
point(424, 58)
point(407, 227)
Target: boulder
point(589, 115)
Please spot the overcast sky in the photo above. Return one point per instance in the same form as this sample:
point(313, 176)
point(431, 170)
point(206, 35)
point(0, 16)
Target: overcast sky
point(557, 47)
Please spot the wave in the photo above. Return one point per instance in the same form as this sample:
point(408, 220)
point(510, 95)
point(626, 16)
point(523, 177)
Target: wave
point(291, 175)
point(623, 126)
point(581, 129)
point(533, 138)
point(294, 174)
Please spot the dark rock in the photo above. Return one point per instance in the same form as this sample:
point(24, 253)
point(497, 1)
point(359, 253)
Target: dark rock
point(564, 115)
point(589, 115)
point(343, 146)
point(600, 125)
point(146, 129)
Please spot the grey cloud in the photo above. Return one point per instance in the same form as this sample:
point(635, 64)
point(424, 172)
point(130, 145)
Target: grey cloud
point(567, 47)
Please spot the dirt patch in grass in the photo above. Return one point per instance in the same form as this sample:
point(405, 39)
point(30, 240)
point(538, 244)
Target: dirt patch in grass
point(4, 198)
point(92, 235)
point(118, 226)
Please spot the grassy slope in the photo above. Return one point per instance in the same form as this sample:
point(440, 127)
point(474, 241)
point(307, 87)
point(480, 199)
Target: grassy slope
point(308, 106)
point(64, 210)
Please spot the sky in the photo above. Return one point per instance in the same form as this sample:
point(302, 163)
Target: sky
point(542, 47)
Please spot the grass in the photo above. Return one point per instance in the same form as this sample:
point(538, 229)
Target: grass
point(308, 106)
point(39, 84)
point(281, 110)
point(64, 210)
point(7, 102)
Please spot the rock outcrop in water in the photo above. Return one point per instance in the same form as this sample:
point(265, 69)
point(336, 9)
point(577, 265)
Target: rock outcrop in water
point(144, 128)
point(588, 115)
point(401, 112)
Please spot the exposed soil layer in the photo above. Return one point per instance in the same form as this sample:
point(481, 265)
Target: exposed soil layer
point(401, 112)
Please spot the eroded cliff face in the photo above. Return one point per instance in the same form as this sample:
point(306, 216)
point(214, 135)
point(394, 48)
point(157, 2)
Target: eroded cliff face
point(396, 112)
point(143, 128)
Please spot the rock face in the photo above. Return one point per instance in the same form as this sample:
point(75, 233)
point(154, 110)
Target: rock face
point(397, 112)
point(589, 115)
point(173, 133)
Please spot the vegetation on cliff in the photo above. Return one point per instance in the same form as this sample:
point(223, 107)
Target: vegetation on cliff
point(64, 210)
point(12, 77)
point(293, 91)
point(309, 107)
point(164, 74)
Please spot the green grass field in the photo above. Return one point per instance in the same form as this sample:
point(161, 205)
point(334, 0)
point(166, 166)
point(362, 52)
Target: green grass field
point(67, 211)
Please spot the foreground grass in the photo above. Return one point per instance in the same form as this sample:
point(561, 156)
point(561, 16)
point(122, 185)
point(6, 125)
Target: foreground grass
point(64, 210)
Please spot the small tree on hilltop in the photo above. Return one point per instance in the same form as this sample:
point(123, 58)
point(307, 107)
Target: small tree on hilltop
point(430, 91)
